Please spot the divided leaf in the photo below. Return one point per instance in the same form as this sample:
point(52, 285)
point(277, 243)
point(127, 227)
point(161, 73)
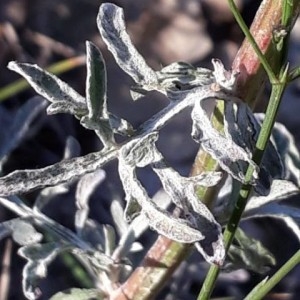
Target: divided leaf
point(199, 224)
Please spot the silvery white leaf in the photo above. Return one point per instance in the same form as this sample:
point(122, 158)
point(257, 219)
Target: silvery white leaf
point(162, 199)
point(85, 187)
point(137, 92)
point(136, 247)
point(47, 194)
point(179, 101)
point(49, 86)
point(182, 193)
point(226, 79)
point(120, 125)
point(117, 213)
point(72, 149)
point(63, 107)
point(231, 157)
point(110, 239)
point(16, 205)
point(280, 189)
point(180, 76)
point(138, 226)
point(39, 256)
point(164, 223)
point(127, 240)
point(182, 190)
point(23, 181)
point(112, 28)
point(177, 229)
point(15, 132)
point(140, 152)
point(23, 232)
point(79, 294)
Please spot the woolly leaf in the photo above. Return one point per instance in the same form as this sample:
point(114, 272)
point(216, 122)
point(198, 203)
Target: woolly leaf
point(72, 149)
point(231, 157)
point(85, 187)
point(65, 171)
point(112, 27)
point(120, 125)
point(79, 294)
point(280, 189)
point(140, 152)
point(162, 222)
point(51, 87)
point(23, 232)
point(183, 230)
point(182, 192)
point(180, 76)
point(39, 256)
point(110, 239)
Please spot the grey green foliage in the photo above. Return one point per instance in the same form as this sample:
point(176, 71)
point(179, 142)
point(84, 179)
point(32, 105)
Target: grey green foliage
point(97, 245)
point(79, 294)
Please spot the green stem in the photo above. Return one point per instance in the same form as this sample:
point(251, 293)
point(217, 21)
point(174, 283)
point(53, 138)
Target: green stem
point(262, 290)
point(244, 28)
point(263, 138)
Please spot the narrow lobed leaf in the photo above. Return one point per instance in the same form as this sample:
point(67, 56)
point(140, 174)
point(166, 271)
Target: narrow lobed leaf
point(85, 187)
point(96, 83)
point(24, 181)
point(112, 28)
point(231, 157)
point(50, 87)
